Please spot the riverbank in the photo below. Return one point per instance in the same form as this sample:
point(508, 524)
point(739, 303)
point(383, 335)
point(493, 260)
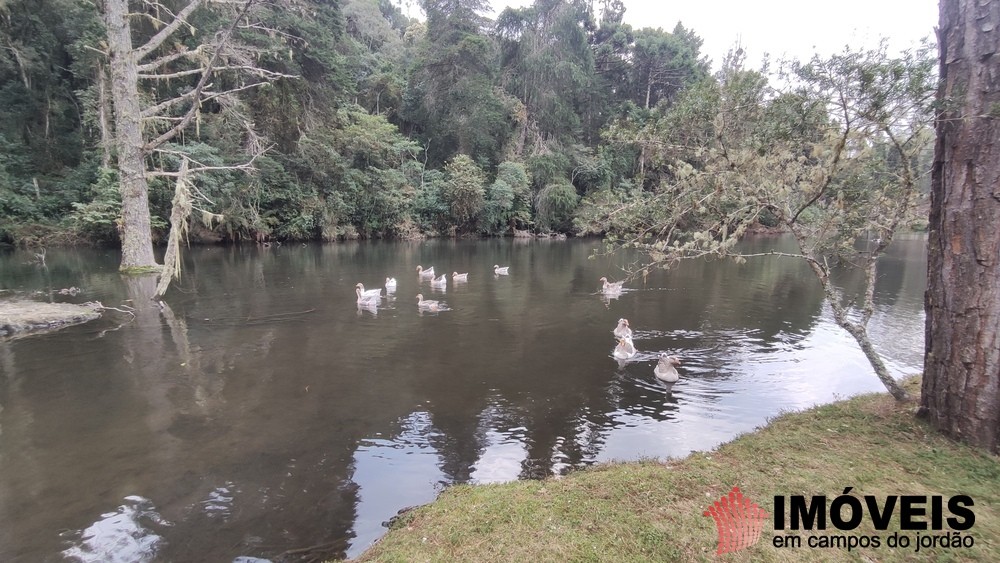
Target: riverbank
point(653, 511)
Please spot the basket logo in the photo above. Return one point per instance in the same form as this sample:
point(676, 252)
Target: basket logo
point(738, 520)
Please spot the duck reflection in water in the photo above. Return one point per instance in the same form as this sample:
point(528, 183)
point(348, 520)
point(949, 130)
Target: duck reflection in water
point(440, 283)
point(608, 297)
point(368, 307)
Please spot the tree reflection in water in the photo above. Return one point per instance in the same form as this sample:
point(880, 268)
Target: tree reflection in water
point(261, 410)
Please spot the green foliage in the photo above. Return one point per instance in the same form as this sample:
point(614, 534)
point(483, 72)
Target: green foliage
point(546, 55)
point(554, 206)
point(497, 210)
point(464, 191)
point(452, 97)
point(663, 63)
point(100, 218)
point(508, 200)
point(371, 152)
point(835, 158)
point(518, 180)
point(15, 194)
point(549, 168)
point(430, 210)
point(461, 123)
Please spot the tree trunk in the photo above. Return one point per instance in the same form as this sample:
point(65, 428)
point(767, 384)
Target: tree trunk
point(104, 112)
point(961, 385)
point(649, 86)
point(137, 241)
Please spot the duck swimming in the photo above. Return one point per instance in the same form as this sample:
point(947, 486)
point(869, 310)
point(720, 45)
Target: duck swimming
point(455, 276)
point(611, 287)
point(625, 349)
point(428, 273)
point(390, 284)
point(623, 330)
point(666, 368)
point(440, 282)
point(428, 304)
point(367, 295)
point(500, 271)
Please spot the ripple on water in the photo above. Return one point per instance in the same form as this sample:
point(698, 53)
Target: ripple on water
point(125, 535)
point(219, 503)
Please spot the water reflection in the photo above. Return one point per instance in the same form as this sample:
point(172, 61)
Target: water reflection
point(125, 535)
point(263, 411)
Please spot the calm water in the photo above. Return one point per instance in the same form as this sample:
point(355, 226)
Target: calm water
point(262, 411)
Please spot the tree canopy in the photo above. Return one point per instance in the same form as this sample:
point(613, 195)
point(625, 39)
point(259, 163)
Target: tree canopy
point(341, 119)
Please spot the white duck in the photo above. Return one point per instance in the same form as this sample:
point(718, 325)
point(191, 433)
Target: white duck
point(428, 273)
point(440, 282)
point(369, 295)
point(428, 304)
point(390, 285)
point(625, 349)
point(611, 287)
point(666, 368)
point(455, 276)
point(500, 271)
point(623, 330)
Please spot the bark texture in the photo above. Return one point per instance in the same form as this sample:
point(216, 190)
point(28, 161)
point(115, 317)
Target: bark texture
point(137, 241)
point(961, 385)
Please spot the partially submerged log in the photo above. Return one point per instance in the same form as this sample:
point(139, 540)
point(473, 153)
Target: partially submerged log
point(23, 317)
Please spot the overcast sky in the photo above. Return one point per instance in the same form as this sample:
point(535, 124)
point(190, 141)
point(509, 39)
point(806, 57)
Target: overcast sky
point(794, 28)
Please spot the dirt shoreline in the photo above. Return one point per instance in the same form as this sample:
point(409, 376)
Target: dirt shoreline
point(23, 317)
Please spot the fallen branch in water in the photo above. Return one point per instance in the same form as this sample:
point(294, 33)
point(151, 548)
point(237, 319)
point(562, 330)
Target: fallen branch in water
point(100, 306)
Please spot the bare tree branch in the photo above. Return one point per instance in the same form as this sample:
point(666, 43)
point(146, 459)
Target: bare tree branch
point(179, 20)
point(222, 40)
point(167, 59)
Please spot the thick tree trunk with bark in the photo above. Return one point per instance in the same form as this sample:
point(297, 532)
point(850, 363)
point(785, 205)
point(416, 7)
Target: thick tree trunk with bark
point(961, 385)
point(137, 242)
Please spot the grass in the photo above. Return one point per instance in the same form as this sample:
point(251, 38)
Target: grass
point(652, 510)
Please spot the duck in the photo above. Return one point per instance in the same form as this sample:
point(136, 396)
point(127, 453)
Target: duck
point(390, 284)
point(611, 287)
point(428, 304)
point(367, 295)
point(428, 273)
point(455, 276)
point(440, 282)
point(666, 368)
point(500, 271)
point(623, 330)
point(625, 349)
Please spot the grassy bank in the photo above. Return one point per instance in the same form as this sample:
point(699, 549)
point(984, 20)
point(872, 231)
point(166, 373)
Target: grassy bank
point(652, 511)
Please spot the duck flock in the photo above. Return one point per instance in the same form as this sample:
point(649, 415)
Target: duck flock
point(371, 298)
point(666, 366)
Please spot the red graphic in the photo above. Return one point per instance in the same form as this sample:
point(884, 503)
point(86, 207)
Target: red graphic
point(738, 519)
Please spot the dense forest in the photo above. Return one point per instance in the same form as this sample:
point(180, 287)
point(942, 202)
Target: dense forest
point(334, 119)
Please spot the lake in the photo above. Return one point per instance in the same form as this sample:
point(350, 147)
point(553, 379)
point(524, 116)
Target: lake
point(263, 411)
